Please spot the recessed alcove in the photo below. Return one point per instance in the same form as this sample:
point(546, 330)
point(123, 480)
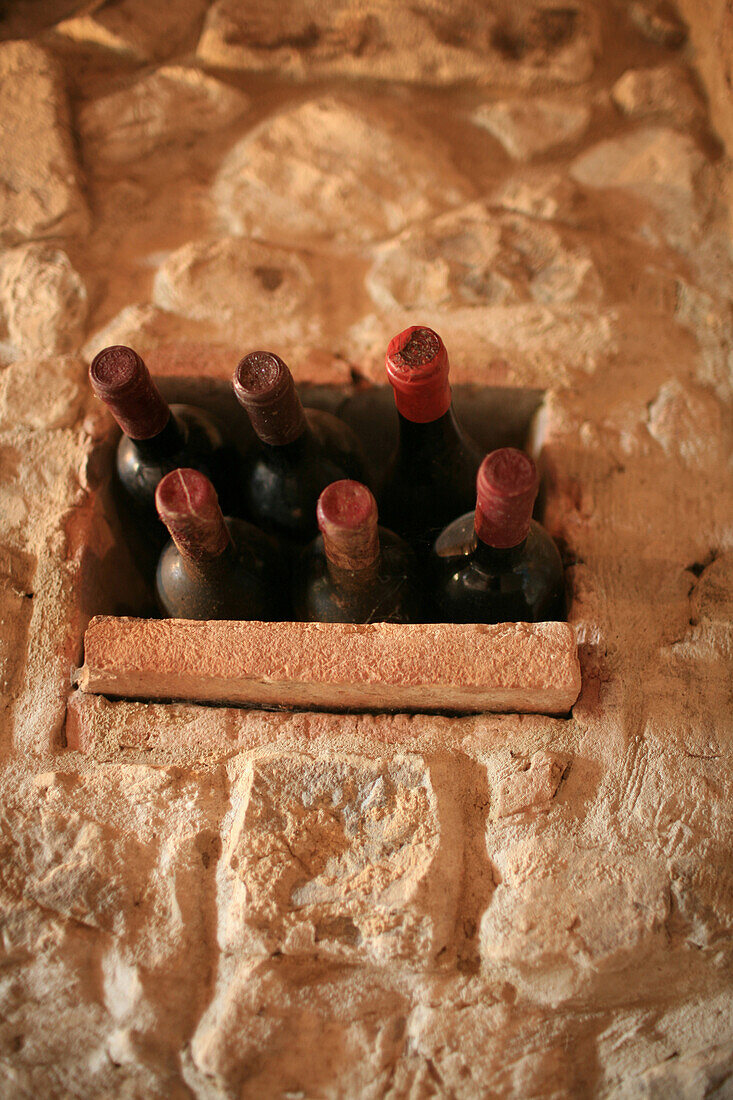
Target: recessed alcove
point(434, 667)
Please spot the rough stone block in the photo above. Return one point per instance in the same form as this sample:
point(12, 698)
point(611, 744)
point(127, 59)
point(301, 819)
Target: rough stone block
point(136, 28)
point(658, 165)
point(113, 866)
point(533, 785)
point(578, 915)
point(383, 666)
point(259, 294)
point(529, 127)
point(422, 42)
point(478, 256)
point(39, 186)
point(346, 859)
point(665, 92)
point(43, 299)
point(42, 394)
point(367, 173)
point(171, 105)
point(301, 1025)
point(144, 327)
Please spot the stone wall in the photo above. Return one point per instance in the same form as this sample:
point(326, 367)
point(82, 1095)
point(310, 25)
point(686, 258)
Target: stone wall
point(221, 903)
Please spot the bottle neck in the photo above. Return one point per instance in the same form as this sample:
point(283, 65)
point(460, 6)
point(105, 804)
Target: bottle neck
point(292, 449)
point(211, 570)
point(120, 378)
point(352, 582)
point(170, 441)
point(281, 421)
point(496, 557)
point(433, 436)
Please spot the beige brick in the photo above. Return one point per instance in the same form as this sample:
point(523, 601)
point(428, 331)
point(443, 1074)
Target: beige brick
point(382, 666)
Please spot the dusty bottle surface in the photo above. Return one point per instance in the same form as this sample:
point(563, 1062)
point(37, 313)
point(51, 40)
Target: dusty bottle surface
point(355, 571)
point(214, 568)
point(300, 451)
point(497, 564)
point(157, 437)
point(431, 478)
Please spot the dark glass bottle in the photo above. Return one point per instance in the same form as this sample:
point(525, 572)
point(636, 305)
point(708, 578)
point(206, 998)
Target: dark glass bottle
point(355, 571)
point(214, 568)
point(158, 437)
point(300, 451)
point(497, 564)
point(432, 475)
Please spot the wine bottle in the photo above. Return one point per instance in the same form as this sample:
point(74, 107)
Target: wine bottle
point(300, 451)
point(355, 571)
point(431, 477)
point(158, 437)
point(214, 568)
point(497, 564)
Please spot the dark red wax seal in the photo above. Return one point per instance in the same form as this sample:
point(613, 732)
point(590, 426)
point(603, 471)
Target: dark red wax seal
point(417, 368)
point(265, 387)
point(189, 507)
point(121, 379)
point(506, 488)
point(347, 518)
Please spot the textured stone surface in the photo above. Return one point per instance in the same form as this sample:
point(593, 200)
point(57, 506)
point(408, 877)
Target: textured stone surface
point(664, 92)
point(43, 300)
point(42, 393)
point(423, 42)
point(711, 32)
point(142, 326)
point(581, 920)
point(229, 903)
point(345, 860)
point(135, 28)
point(505, 667)
point(258, 294)
point(660, 166)
point(528, 127)
point(39, 181)
point(173, 104)
point(480, 256)
point(659, 22)
point(366, 175)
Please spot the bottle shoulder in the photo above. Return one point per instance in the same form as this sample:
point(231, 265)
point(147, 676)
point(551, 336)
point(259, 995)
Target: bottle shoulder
point(519, 583)
point(254, 548)
point(393, 552)
point(193, 430)
point(200, 425)
point(390, 594)
point(459, 540)
point(247, 581)
point(338, 440)
point(282, 483)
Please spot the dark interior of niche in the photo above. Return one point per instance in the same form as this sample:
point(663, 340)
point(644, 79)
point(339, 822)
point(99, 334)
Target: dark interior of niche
point(494, 416)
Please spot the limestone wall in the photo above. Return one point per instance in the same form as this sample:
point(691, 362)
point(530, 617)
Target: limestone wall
point(220, 903)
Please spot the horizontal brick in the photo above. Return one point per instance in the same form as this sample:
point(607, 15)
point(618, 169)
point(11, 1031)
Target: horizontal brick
point(505, 667)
